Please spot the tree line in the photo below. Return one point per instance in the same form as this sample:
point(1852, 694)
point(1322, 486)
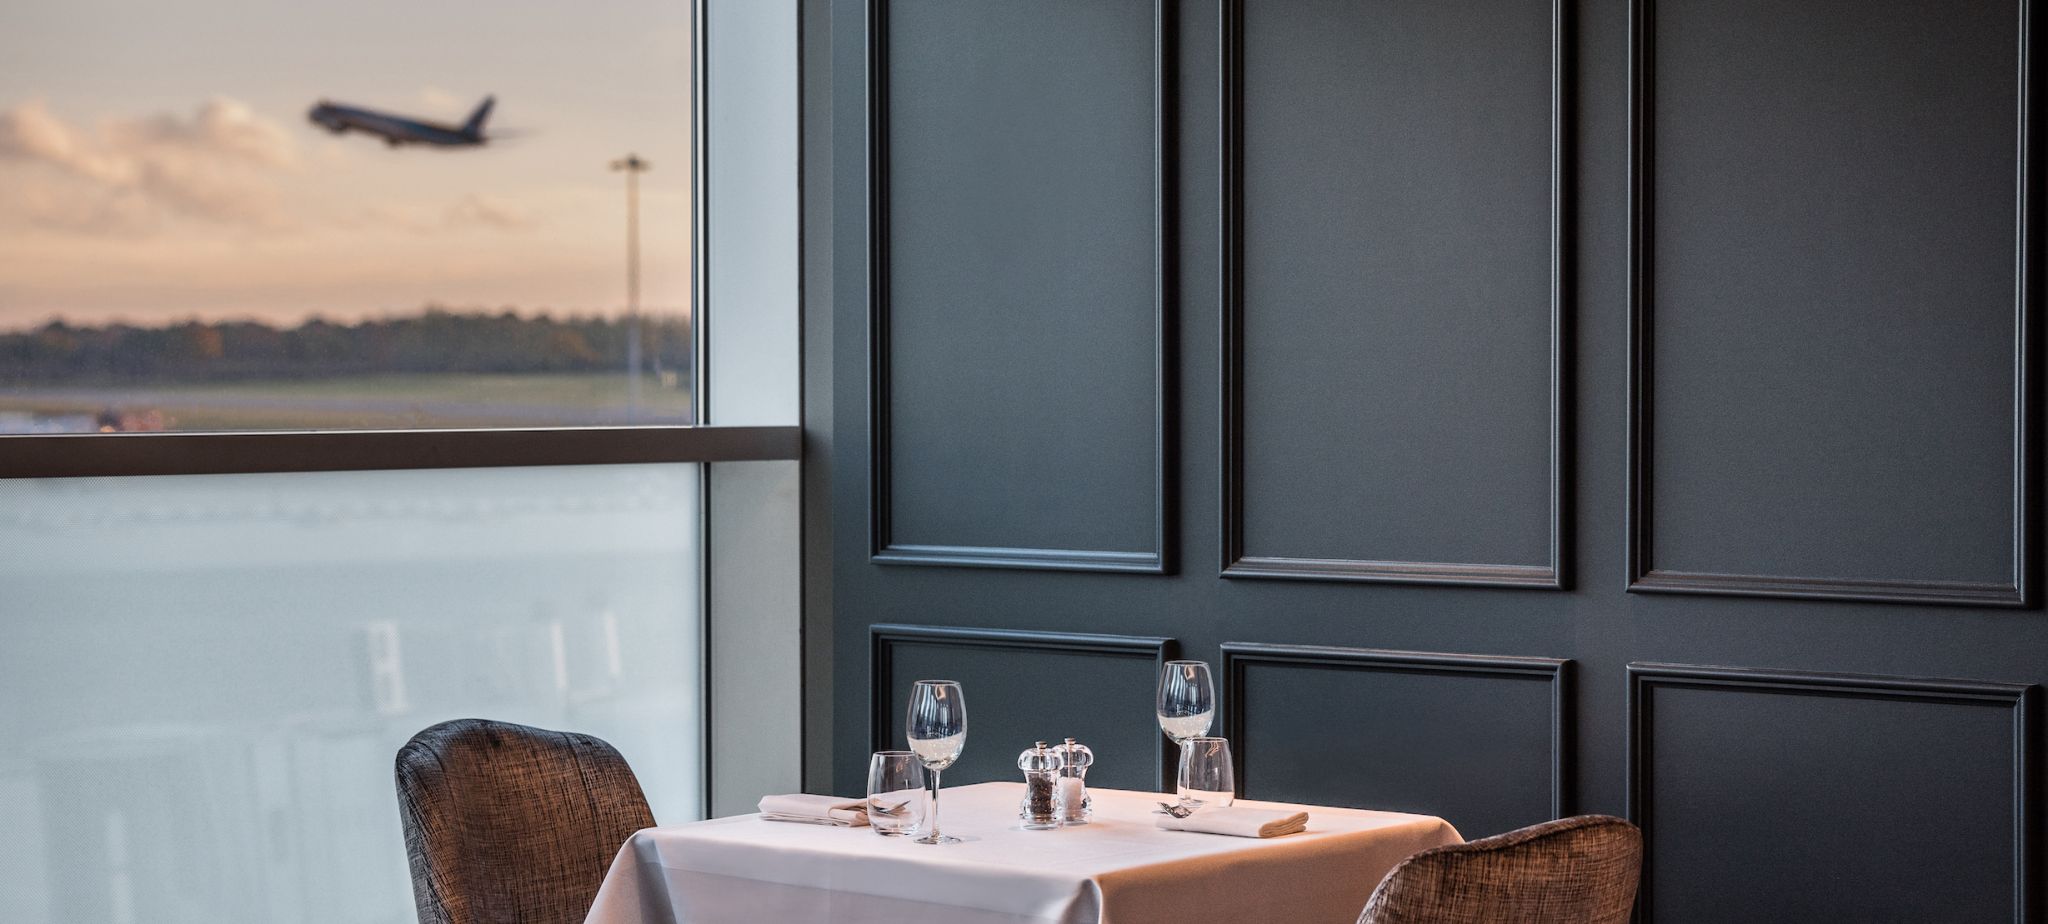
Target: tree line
point(438, 340)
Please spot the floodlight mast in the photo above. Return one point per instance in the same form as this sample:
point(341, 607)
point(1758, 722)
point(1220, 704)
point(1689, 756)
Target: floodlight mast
point(632, 166)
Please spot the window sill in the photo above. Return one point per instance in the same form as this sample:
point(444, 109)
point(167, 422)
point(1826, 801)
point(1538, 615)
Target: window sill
point(124, 454)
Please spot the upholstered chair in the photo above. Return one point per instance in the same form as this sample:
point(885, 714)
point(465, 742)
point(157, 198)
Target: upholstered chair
point(507, 824)
point(1581, 870)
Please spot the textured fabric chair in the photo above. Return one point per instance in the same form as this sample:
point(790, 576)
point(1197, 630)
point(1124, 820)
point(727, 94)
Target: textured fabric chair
point(1581, 870)
point(507, 824)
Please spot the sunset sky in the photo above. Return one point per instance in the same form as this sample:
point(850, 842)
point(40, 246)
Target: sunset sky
point(156, 163)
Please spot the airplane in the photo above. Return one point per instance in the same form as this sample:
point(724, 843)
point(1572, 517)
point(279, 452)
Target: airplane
point(397, 130)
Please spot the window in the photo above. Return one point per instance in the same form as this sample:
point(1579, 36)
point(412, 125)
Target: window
point(203, 678)
point(204, 673)
point(379, 215)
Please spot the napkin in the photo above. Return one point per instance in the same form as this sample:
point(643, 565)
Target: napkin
point(1239, 822)
point(817, 810)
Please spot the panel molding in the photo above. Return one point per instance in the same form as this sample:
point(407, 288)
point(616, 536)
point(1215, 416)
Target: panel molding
point(883, 637)
point(1644, 677)
point(1237, 656)
point(883, 546)
point(1549, 575)
point(1643, 574)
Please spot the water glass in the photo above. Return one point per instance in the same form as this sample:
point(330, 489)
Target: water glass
point(895, 793)
point(1207, 775)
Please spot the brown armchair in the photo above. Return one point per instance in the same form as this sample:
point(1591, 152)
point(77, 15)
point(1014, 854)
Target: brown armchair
point(505, 823)
point(1581, 870)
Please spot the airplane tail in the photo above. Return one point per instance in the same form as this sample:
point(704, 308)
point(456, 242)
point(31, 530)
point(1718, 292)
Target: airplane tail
point(475, 126)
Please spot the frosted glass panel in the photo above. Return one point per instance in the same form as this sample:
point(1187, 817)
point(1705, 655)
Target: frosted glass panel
point(204, 679)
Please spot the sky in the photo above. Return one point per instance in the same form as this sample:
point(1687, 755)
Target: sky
point(156, 163)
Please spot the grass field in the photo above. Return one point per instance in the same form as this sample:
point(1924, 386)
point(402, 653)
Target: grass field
point(394, 401)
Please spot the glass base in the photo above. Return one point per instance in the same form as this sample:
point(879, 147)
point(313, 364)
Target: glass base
point(937, 839)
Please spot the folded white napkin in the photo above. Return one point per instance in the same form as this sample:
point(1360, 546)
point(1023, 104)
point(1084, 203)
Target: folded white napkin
point(1239, 822)
point(817, 810)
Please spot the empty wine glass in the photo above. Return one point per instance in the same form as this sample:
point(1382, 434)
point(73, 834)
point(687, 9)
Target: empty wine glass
point(937, 729)
point(1187, 703)
point(1207, 774)
point(895, 792)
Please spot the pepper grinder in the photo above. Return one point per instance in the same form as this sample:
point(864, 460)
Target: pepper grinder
point(1075, 807)
point(1040, 809)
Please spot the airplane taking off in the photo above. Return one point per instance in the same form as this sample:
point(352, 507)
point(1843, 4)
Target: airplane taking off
point(397, 130)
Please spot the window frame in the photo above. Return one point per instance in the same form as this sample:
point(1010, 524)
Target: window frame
point(78, 455)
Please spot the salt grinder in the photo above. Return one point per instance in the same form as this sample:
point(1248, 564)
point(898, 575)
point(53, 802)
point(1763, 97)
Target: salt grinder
point(1074, 804)
point(1040, 809)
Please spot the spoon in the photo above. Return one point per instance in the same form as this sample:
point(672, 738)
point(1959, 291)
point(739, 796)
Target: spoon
point(888, 811)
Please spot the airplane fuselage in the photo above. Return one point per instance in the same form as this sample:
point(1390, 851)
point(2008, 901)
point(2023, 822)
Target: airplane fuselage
point(393, 129)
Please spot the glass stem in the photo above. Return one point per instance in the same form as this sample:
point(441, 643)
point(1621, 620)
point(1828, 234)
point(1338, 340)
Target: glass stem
point(1180, 790)
point(933, 816)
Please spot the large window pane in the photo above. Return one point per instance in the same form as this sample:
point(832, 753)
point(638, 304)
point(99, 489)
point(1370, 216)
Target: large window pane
point(383, 214)
point(204, 679)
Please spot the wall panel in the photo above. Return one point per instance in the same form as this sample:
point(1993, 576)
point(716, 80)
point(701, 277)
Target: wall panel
point(1779, 796)
point(1394, 291)
point(1483, 741)
point(1020, 283)
point(1831, 283)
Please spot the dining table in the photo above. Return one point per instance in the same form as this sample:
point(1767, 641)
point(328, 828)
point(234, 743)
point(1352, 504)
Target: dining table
point(1120, 868)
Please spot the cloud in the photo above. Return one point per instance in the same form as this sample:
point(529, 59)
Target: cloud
point(222, 128)
point(30, 132)
point(132, 174)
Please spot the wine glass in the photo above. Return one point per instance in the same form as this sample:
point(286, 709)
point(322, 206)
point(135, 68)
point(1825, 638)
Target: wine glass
point(1187, 703)
point(937, 729)
point(1207, 774)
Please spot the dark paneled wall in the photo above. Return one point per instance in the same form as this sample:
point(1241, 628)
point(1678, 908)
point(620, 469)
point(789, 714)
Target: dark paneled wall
point(1529, 408)
point(1828, 307)
point(1881, 776)
point(1017, 228)
point(1377, 155)
point(1495, 713)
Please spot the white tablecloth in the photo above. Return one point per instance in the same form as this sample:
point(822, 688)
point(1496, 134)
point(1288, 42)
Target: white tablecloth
point(1120, 869)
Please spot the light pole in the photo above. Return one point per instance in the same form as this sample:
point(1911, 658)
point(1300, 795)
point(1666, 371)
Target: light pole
point(633, 166)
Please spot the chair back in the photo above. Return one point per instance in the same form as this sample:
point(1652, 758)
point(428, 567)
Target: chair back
point(505, 823)
point(1581, 870)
